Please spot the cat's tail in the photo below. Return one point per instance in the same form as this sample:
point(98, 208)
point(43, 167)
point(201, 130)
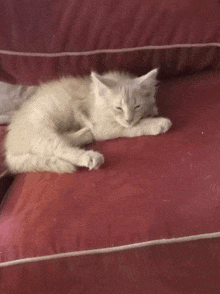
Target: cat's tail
point(29, 162)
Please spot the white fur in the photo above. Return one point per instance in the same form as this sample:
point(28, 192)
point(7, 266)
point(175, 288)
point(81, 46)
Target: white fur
point(48, 130)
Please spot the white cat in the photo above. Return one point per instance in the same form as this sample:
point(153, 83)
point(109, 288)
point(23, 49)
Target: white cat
point(47, 131)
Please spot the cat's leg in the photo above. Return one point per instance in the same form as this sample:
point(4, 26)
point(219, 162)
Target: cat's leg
point(80, 157)
point(147, 126)
point(54, 145)
point(150, 126)
point(28, 149)
point(19, 163)
point(79, 138)
point(64, 160)
point(48, 151)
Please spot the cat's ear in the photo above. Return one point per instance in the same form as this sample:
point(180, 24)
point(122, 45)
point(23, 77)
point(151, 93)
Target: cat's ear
point(150, 79)
point(102, 83)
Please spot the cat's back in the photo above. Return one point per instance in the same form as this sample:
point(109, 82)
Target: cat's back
point(54, 97)
point(51, 106)
point(64, 90)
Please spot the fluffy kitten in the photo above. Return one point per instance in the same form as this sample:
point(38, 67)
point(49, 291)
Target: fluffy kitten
point(48, 130)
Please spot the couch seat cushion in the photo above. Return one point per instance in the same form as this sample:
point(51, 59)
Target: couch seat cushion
point(146, 209)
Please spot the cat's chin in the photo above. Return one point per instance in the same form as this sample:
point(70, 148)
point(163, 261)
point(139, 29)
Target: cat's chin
point(127, 125)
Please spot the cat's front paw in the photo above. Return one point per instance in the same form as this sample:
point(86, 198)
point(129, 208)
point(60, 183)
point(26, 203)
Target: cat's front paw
point(160, 125)
point(91, 159)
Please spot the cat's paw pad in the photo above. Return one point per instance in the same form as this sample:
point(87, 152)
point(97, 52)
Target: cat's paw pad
point(161, 125)
point(91, 159)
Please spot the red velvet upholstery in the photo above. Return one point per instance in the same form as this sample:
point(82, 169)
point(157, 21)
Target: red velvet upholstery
point(148, 220)
point(150, 188)
point(46, 39)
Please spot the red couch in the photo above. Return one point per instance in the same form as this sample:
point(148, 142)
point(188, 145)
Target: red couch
point(148, 221)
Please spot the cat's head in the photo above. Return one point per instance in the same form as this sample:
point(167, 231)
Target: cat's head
point(128, 98)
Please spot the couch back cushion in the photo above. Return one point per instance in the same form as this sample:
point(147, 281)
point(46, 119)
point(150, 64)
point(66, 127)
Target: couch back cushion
point(47, 39)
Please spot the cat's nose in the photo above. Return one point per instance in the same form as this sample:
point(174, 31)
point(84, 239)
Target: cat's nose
point(129, 120)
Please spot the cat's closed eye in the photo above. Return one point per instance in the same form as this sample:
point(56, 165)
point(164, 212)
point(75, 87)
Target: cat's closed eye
point(119, 108)
point(137, 106)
